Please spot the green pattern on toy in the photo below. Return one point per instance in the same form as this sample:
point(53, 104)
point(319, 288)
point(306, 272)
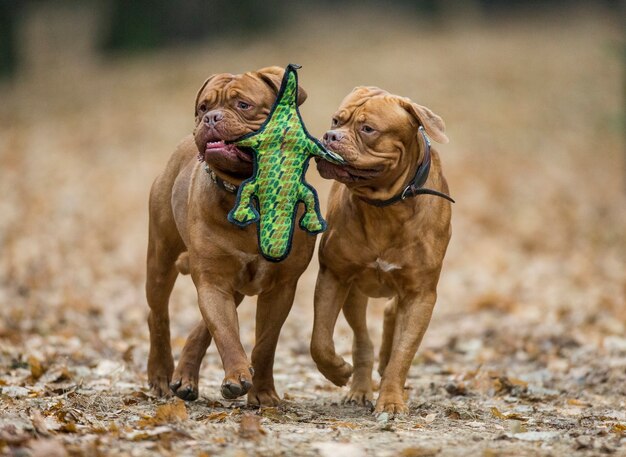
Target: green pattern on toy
point(282, 150)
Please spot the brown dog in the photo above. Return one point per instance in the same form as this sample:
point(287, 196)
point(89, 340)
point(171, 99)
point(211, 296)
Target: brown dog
point(378, 244)
point(189, 232)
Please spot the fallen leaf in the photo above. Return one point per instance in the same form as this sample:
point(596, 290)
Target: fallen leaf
point(619, 428)
point(456, 388)
point(341, 424)
point(250, 427)
point(496, 413)
point(39, 423)
point(36, 368)
point(219, 416)
point(419, 452)
point(274, 414)
point(169, 412)
point(577, 402)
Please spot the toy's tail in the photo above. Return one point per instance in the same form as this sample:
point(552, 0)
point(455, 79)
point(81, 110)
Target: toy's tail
point(275, 236)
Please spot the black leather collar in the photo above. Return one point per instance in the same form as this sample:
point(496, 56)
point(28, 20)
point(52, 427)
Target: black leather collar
point(224, 185)
point(414, 187)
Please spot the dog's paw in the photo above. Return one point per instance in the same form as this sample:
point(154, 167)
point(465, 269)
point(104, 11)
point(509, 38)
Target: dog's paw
point(159, 376)
point(237, 384)
point(159, 386)
point(392, 404)
point(359, 397)
point(263, 397)
point(186, 389)
point(337, 374)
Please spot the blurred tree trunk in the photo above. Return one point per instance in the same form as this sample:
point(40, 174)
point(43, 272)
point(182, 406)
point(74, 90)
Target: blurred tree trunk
point(8, 41)
point(136, 24)
point(143, 24)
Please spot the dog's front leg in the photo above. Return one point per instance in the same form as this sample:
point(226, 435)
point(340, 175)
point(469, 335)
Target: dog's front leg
point(185, 378)
point(219, 312)
point(412, 319)
point(272, 309)
point(330, 295)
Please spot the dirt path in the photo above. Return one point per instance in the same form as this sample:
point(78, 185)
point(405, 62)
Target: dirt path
point(526, 353)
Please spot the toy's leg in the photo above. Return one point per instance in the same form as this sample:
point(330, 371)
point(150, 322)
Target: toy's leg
point(244, 213)
point(310, 221)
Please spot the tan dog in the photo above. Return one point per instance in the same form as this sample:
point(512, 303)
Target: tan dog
point(373, 250)
point(189, 232)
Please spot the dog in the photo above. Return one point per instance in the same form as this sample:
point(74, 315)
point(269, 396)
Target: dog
point(384, 239)
point(189, 233)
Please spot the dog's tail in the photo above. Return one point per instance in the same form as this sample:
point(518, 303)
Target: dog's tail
point(182, 263)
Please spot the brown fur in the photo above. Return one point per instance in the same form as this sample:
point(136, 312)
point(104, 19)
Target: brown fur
point(395, 251)
point(189, 232)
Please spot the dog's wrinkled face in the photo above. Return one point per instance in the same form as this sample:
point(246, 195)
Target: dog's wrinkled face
point(229, 106)
point(376, 133)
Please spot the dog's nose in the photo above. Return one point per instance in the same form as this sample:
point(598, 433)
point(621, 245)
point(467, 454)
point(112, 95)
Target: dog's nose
point(213, 117)
point(332, 136)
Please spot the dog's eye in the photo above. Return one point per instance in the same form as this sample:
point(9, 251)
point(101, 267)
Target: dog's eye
point(243, 105)
point(334, 122)
point(202, 107)
point(367, 129)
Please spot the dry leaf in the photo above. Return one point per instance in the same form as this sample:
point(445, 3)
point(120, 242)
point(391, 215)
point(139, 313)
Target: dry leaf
point(577, 402)
point(274, 414)
point(170, 412)
point(39, 423)
point(36, 368)
point(619, 428)
point(219, 416)
point(250, 427)
point(419, 452)
point(496, 413)
point(341, 424)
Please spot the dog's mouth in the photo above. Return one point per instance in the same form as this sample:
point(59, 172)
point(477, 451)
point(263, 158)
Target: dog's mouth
point(345, 173)
point(228, 151)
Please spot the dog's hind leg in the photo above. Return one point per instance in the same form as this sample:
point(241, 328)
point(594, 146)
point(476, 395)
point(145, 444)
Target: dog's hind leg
point(185, 379)
point(164, 247)
point(355, 311)
point(389, 323)
point(161, 275)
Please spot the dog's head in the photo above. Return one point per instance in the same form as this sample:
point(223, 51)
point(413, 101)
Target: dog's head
point(229, 106)
point(377, 134)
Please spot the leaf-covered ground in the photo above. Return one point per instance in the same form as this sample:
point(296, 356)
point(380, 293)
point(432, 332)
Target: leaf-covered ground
point(526, 352)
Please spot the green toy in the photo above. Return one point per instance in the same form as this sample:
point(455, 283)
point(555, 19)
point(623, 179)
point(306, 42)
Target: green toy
point(282, 148)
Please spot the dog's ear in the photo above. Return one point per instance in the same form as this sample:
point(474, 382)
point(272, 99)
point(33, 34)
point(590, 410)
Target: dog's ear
point(204, 84)
point(273, 76)
point(433, 124)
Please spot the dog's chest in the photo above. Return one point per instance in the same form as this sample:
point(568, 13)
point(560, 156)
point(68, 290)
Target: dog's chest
point(380, 276)
point(383, 266)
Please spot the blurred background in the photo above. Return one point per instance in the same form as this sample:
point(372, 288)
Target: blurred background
point(95, 95)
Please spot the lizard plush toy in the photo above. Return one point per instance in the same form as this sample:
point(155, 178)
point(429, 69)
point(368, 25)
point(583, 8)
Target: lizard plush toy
point(282, 148)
